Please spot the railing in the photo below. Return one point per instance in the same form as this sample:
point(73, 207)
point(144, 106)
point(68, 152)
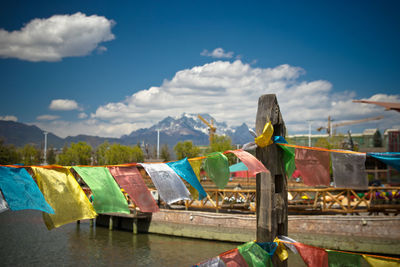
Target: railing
point(307, 200)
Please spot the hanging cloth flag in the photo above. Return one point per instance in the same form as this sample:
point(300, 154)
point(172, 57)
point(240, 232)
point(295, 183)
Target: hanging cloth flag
point(254, 255)
point(130, 179)
point(339, 259)
point(281, 250)
point(20, 190)
point(312, 256)
point(288, 242)
point(289, 160)
point(349, 170)
point(196, 165)
point(381, 262)
point(217, 168)
point(169, 185)
point(63, 192)
point(3, 204)
point(252, 163)
point(265, 139)
point(314, 166)
point(184, 170)
point(213, 262)
point(107, 196)
point(233, 258)
point(390, 158)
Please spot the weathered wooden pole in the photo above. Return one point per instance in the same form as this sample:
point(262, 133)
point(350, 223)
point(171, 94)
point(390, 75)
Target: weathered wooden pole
point(271, 188)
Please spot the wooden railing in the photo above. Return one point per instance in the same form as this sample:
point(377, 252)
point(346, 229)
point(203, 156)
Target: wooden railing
point(307, 200)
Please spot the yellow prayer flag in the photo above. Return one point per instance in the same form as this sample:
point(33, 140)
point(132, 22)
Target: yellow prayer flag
point(265, 139)
point(381, 262)
point(64, 194)
point(196, 164)
point(281, 250)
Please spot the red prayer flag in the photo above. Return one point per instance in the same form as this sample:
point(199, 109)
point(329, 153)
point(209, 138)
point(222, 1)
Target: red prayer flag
point(313, 166)
point(252, 163)
point(130, 179)
point(233, 258)
point(312, 256)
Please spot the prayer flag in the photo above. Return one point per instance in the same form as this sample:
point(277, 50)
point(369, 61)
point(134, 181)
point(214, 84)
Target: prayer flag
point(196, 164)
point(289, 160)
point(169, 185)
point(213, 262)
point(339, 259)
point(390, 158)
point(63, 192)
point(252, 163)
point(349, 170)
point(130, 179)
point(217, 168)
point(3, 204)
point(107, 196)
point(254, 255)
point(233, 258)
point(20, 190)
point(381, 262)
point(184, 170)
point(313, 165)
point(312, 256)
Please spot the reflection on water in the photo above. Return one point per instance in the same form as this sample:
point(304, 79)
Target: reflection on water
point(25, 240)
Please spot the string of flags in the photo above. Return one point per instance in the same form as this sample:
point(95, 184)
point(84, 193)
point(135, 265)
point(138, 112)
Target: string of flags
point(260, 254)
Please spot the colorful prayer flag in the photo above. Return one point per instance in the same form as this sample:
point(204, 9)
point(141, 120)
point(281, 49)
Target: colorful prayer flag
point(217, 168)
point(254, 255)
point(107, 195)
point(289, 160)
point(63, 192)
point(169, 185)
point(349, 170)
point(20, 190)
point(3, 204)
point(233, 258)
point(381, 262)
point(184, 170)
point(196, 165)
point(314, 166)
point(252, 163)
point(130, 179)
point(339, 259)
point(312, 256)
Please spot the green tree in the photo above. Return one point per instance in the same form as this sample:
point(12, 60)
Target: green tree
point(164, 153)
point(51, 156)
point(77, 154)
point(221, 143)
point(101, 153)
point(8, 154)
point(186, 149)
point(30, 155)
point(119, 154)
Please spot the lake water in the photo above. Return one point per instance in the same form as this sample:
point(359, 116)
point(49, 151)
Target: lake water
point(25, 241)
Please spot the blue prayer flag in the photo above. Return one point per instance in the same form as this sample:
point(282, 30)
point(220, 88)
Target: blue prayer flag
point(183, 169)
point(20, 191)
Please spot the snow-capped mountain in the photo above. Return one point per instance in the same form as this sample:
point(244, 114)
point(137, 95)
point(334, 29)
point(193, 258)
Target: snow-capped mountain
point(187, 127)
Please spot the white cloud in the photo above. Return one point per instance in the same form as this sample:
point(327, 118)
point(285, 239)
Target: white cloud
point(8, 118)
point(63, 104)
point(229, 91)
point(47, 117)
point(217, 53)
point(54, 38)
point(82, 115)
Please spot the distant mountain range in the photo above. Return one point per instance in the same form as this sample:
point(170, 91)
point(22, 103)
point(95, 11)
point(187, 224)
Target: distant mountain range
point(172, 130)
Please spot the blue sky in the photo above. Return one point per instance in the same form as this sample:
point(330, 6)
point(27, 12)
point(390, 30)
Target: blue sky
point(109, 67)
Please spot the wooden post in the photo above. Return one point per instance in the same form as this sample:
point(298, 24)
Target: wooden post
point(271, 188)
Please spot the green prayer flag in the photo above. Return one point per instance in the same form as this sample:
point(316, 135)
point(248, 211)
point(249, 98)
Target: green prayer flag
point(107, 196)
point(288, 158)
point(217, 168)
point(340, 259)
point(254, 255)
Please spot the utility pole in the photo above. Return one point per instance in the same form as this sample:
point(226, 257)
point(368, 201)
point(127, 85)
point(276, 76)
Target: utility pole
point(271, 187)
point(45, 148)
point(309, 132)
